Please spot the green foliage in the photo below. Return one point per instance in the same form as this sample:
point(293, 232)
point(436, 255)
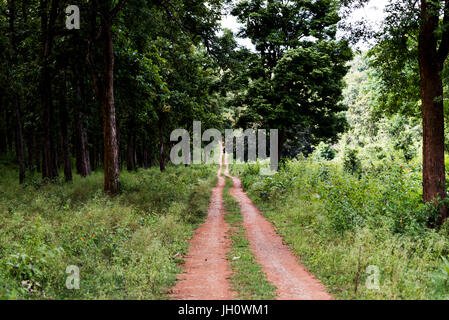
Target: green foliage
point(440, 279)
point(377, 136)
point(295, 78)
point(350, 161)
point(324, 151)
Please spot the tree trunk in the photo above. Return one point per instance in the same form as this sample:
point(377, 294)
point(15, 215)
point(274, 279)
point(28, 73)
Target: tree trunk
point(111, 165)
point(83, 167)
point(161, 150)
point(48, 156)
point(19, 140)
point(434, 181)
point(131, 152)
point(64, 133)
point(20, 150)
point(82, 152)
point(431, 65)
point(145, 156)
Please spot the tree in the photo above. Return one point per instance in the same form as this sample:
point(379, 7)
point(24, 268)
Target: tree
point(104, 85)
point(48, 15)
point(20, 150)
point(433, 50)
point(420, 27)
point(149, 66)
point(296, 76)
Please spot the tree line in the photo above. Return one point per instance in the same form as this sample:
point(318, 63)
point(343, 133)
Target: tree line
point(110, 93)
point(105, 94)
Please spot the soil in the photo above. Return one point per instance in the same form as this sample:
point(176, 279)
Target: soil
point(207, 271)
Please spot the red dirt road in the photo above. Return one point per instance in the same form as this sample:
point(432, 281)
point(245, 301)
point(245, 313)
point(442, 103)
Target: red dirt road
point(292, 280)
point(206, 270)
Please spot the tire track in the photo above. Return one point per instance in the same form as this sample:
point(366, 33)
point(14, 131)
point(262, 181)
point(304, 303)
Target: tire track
point(292, 280)
point(206, 269)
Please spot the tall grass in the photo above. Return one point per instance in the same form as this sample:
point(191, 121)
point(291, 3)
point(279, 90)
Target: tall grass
point(127, 247)
point(339, 223)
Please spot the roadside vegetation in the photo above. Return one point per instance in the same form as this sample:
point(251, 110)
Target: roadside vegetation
point(339, 223)
point(128, 247)
point(358, 203)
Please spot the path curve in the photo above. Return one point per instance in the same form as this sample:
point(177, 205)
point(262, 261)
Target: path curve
point(206, 269)
point(292, 280)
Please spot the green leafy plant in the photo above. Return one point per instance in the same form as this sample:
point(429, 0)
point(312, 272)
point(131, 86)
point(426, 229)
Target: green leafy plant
point(440, 278)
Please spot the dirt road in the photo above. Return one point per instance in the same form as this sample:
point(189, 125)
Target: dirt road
point(207, 270)
point(292, 280)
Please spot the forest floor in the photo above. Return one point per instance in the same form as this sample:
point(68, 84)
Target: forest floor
point(207, 271)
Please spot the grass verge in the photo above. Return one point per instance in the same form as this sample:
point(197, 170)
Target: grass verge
point(349, 229)
point(248, 278)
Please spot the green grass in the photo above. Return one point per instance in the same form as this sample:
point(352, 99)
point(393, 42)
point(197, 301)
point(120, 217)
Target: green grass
point(127, 247)
point(248, 278)
point(341, 223)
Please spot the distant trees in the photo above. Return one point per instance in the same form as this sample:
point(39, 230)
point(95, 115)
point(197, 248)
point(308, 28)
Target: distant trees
point(295, 79)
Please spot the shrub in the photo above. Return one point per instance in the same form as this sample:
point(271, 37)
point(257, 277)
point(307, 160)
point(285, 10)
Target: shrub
point(351, 163)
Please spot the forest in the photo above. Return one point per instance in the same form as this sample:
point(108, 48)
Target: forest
point(92, 205)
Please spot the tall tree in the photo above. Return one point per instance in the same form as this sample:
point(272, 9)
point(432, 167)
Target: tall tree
point(20, 148)
point(48, 12)
point(297, 57)
point(416, 33)
point(433, 49)
point(104, 84)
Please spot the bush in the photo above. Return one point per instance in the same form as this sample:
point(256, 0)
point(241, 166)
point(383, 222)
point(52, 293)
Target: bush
point(324, 152)
point(351, 163)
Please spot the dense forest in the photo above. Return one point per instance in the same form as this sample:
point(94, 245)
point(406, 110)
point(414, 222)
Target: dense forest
point(92, 90)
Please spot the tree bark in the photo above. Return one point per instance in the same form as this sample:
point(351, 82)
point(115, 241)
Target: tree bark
point(431, 63)
point(104, 88)
point(64, 133)
point(20, 150)
point(161, 148)
point(82, 152)
point(111, 164)
point(47, 25)
point(19, 140)
point(145, 155)
point(83, 167)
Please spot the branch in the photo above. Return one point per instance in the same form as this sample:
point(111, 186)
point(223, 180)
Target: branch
point(94, 34)
point(173, 17)
point(117, 8)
